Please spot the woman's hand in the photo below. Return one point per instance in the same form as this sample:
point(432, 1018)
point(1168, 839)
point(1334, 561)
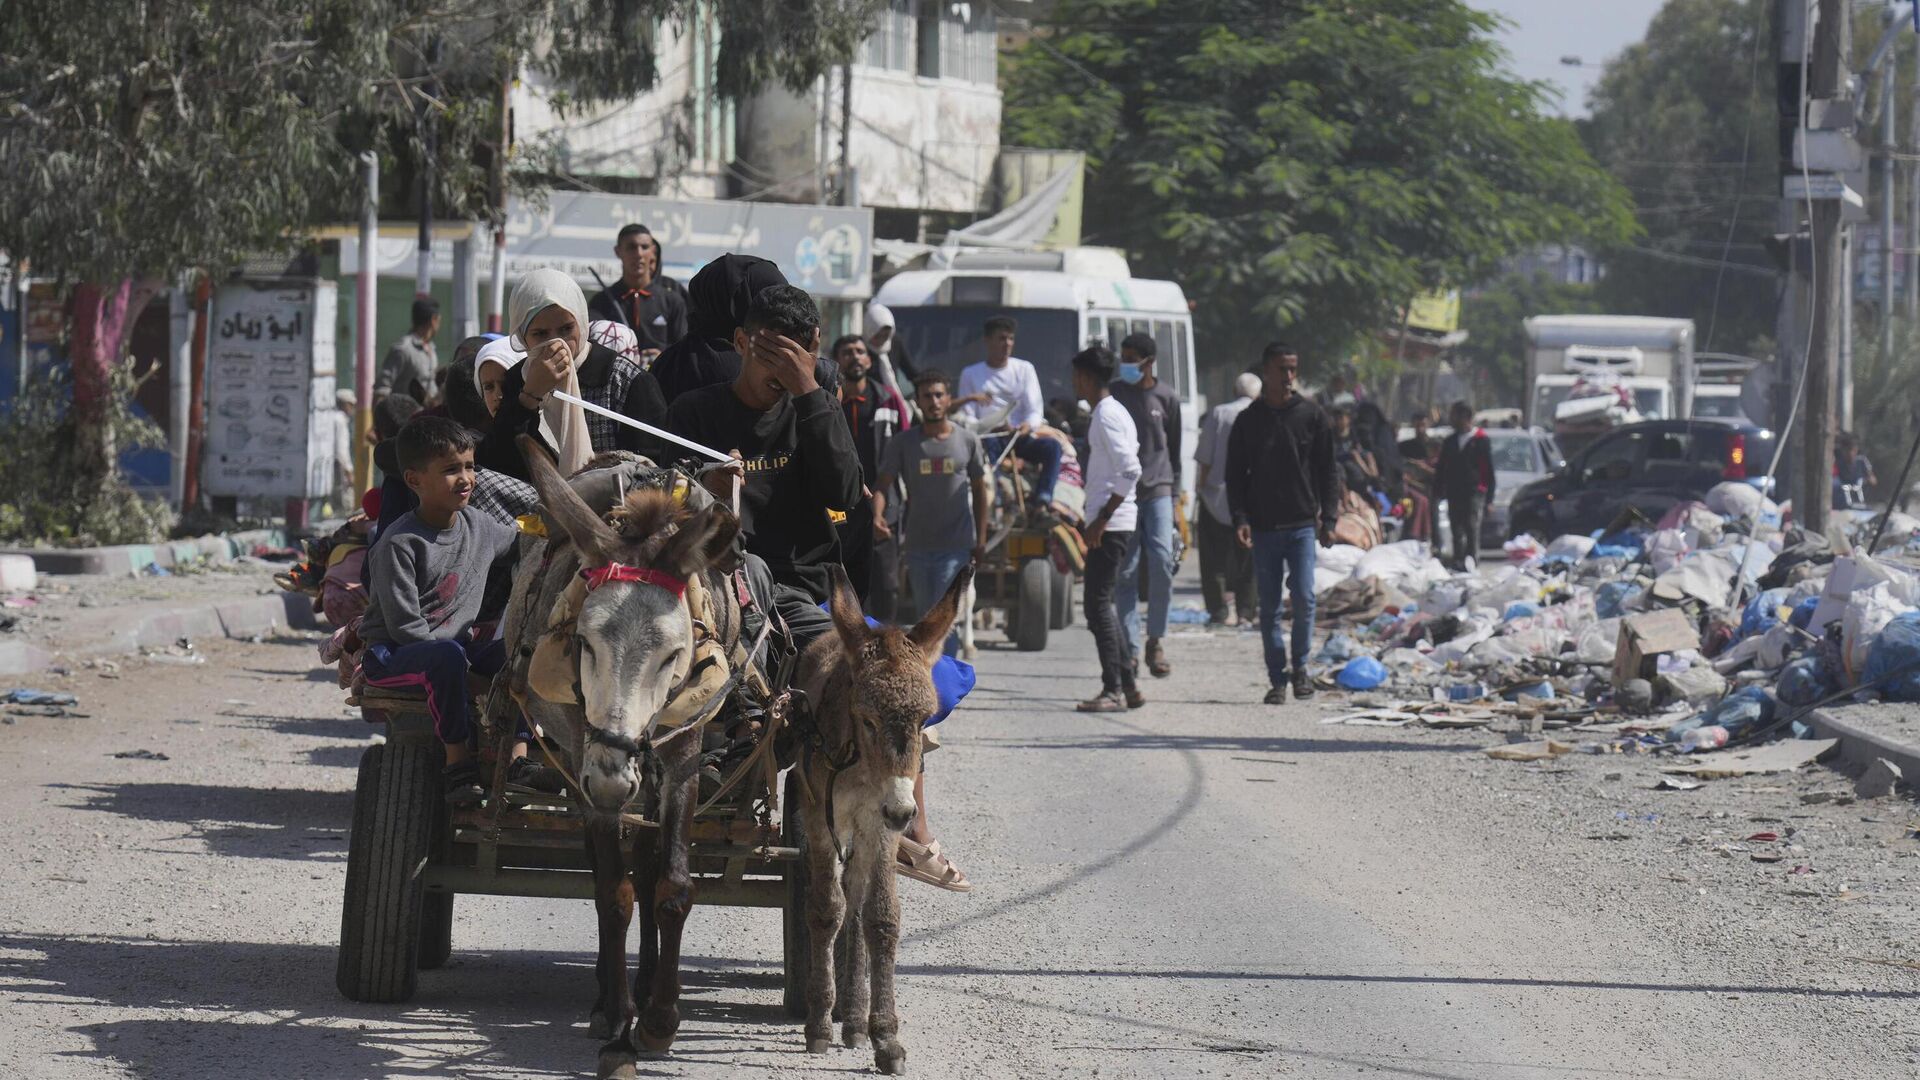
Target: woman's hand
point(547, 367)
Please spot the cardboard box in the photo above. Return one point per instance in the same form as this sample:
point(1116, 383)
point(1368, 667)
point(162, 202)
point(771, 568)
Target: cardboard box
point(1646, 636)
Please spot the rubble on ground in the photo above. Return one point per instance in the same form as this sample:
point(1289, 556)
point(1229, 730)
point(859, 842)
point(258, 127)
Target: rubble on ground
point(1718, 626)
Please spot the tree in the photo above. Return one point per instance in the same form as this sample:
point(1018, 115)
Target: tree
point(1303, 165)
point(1494, 354)
point(1686, 120)
point(192, 134)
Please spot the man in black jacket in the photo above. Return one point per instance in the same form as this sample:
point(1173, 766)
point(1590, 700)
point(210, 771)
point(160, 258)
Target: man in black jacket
point(655, 311)
point(791, 444)
point(1466, 479)
point(1283, 489)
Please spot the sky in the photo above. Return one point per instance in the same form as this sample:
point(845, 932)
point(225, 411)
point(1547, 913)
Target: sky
point(1543, 31)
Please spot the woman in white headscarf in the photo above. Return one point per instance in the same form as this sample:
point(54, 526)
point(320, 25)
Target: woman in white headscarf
point(890, 359)
point(547, 319)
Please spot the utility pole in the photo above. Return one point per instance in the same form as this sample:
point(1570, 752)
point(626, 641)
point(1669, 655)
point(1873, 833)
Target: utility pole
point(1826, 85)
point(1889, 195)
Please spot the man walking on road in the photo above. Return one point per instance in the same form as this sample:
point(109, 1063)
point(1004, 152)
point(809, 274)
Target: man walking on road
point(1283, 491)
point(947, 501)
point(1466, 479)
point(875, 413)
point(1112, 478)
point(1225, 566)
point(1155, 410)
point(408, 366)
point(657, 315)
point(1003, 381)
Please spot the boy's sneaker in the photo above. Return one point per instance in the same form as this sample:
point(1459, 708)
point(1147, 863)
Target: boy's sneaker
point(1276, 695)
point(462, 784)
point(1302, 684)
point(529, 777)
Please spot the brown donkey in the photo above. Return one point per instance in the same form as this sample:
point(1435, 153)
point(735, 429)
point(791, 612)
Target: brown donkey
point(871, 690)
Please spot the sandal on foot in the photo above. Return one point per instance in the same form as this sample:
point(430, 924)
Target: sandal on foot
point(929, 864)
point(1107, 702)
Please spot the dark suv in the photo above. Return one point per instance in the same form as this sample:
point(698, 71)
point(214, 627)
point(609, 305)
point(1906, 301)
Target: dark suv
point(1650, 467)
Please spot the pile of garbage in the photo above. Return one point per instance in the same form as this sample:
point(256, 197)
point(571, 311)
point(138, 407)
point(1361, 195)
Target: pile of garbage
point(1707, 622)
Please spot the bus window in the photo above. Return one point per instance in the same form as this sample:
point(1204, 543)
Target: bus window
point(1181, 376)
point(1142, 326)
point(1116, 333)
point(1166, 367)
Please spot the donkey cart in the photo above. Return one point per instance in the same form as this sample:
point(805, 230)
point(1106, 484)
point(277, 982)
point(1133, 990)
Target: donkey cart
point(1019, 577)
point(410, 855)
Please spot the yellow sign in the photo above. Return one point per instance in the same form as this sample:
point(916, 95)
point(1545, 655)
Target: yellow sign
point(1435, 311)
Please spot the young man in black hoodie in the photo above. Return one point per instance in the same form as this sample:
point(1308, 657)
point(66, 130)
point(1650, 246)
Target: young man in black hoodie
point(1284, 491)
point(1466, 479)
point(791, 443)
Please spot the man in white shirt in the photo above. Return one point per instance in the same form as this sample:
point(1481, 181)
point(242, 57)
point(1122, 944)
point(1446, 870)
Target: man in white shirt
point(1112, 474)
point(1005, 383)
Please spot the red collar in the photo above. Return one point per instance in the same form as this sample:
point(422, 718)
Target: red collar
point(635, 290)
point(600, 575)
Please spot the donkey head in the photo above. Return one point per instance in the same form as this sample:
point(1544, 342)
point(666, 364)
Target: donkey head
point(891, 673)
point(634, 634)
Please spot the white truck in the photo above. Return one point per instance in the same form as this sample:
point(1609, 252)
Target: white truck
point(1643, 367)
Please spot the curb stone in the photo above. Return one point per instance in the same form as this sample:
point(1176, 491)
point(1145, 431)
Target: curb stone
point(127, 560)
point(1859, 747)
point(229, 619)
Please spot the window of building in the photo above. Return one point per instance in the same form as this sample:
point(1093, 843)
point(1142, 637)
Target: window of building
point(892, 44)
point(927, 63)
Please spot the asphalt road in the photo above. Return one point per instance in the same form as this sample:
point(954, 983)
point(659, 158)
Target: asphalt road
point(1205, 887)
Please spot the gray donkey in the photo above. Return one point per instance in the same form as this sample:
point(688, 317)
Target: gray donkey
point(613, 597)
point(871, 689)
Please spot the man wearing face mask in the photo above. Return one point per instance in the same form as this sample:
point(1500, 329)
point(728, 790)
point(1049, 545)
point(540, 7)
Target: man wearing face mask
point(1155, 410)
point(874, 413)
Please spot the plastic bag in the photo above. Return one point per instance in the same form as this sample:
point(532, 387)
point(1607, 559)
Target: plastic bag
point(1570, 547)
point(1362, 673)
point(1341, 557)
point(1597, 642)
point(1866, 615)
point(1893, 663)
point(1697, 686)
point(1804, 682)
point(1739, 712)
point(1761, 613)
point(1519, 609)
point(1325, 578)
point(1522, 548)
point(1734, 499)
point(1338, 649)
point(1613, 598)
point(1665, 549)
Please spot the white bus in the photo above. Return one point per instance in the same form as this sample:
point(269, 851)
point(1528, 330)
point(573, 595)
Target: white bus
point(1064, 301)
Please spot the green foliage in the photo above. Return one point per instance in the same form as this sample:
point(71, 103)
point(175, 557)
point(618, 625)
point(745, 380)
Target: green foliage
point(175, 134)
point(1304, 170)
point(1686, 120)
point(1494, 357)
point(1886, 397)
point(44, 494)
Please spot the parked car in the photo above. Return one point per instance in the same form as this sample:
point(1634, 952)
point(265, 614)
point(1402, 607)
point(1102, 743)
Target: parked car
point(1650, 467)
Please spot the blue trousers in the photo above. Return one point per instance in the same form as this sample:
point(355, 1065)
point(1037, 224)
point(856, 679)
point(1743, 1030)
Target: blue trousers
point(1152, 540)
point(440, 668)
point(928, 575)
point(1284, 558)
point(1034, 450)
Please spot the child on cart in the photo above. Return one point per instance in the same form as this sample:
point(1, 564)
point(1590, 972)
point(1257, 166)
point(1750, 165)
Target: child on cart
point(428, 574)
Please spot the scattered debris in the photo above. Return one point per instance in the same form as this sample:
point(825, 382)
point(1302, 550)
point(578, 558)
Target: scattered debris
point(1879, 781)
point(24, 696)
point(1674, 783)
point(1543, 750)
point(142, 755)
point(1774, 757)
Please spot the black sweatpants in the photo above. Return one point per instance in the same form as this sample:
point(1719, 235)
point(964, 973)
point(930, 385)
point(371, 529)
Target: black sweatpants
point(1103, 572)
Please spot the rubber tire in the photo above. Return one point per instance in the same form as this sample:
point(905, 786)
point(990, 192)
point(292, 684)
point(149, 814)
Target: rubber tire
point(793, 917)
point(1062, 605)
point(394, 804)
point(436, 930)
point(1035, 603)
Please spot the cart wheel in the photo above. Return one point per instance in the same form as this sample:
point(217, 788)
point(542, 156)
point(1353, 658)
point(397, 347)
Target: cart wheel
point(393, 808)
point(1035, 603)
point(1062, 606)
point(793, 917)
point(436, 929)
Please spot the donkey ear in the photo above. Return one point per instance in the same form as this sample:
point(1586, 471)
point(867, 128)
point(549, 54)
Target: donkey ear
point(594, 537)
point(701, 542)
point(932, 630)
point(844, 606)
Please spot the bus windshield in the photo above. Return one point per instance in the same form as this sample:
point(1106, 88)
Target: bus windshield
point(948, 339)
point(1649, 401)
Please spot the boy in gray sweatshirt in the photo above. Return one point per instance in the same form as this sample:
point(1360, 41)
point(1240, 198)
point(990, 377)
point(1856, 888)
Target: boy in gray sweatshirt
point(427, 576)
